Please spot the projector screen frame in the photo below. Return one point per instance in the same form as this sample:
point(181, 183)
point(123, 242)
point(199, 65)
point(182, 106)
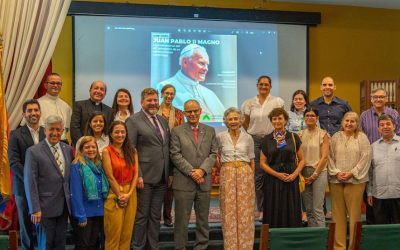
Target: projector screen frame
point(77, 8)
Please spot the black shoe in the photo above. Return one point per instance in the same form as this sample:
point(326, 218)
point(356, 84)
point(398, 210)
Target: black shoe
point(169, 224)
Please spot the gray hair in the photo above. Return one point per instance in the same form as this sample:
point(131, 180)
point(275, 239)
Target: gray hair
point(233, 110)
point(378, 89)
point(189, 50)
point(51, 119)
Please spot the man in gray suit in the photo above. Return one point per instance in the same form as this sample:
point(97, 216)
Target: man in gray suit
point(46, 181)
point(193, 151)
point(149, 134)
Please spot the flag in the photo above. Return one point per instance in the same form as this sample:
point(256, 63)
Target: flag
point(5, 177)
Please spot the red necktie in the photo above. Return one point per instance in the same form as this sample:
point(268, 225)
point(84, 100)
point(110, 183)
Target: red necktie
point(195, 134)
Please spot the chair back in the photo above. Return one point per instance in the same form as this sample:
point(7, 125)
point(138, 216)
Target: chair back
point(368, 237)
point(10, 241)
point(318, 238)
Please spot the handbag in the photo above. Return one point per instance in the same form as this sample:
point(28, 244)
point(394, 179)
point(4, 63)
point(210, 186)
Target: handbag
point(302, 182)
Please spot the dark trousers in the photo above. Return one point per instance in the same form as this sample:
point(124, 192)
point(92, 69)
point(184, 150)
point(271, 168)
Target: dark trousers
point(168, 199)
point(259, 175)
point(25, 223)
point(148, 216)
point(386, 211)
point(369, 211)
point(87, 237)
point(52, 232)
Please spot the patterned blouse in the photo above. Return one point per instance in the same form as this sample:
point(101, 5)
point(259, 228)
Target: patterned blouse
point(349, 155)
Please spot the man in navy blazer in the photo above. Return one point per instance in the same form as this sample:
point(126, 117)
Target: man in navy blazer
point(46, 180)
point(83, 109)
point(20, 140)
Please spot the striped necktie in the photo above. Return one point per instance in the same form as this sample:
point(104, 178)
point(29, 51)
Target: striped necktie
point(58, 159)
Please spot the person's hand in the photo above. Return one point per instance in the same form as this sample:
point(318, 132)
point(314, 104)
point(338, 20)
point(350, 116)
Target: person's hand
point(170, 181)
point(83, 224)
point(140, 183)
point(282, 176)
point(308, 180)
point(290, 178)
point(123, 200)
point(370, 200)
point(200, 181)
point(197, 173)
point(344, 176)
point(35, 217)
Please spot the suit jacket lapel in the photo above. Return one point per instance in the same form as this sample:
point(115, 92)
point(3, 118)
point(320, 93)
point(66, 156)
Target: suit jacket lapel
point(26, 135)
point(46, 149)
point(200, 134)
point(189, 132)
point(66, 158)
point(89, 106)
point(42, 136)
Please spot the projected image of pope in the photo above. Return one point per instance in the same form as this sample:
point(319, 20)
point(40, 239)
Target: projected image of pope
point(194, 63)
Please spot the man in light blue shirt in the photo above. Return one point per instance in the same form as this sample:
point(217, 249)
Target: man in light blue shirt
point(384, 186)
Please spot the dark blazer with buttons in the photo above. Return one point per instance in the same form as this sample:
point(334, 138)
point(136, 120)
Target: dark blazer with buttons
point(186, 155)
point(20, 140)
point(81, 111)
point(46, 189)
point(152, 153)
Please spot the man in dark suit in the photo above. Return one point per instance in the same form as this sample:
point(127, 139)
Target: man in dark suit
point(81, 110)
point(46, 180)
point(150, 134)
point(193, 151)
point(20, 140)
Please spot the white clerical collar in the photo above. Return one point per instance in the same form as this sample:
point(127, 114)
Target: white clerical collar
point(54, 98)
point(185, 80)
point(95, 103)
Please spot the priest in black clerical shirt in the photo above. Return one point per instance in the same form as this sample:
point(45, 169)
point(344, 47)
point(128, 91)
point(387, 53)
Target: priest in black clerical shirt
point(82, 110)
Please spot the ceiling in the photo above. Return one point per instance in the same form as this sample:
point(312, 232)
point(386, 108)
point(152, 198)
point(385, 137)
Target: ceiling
point(385, 4)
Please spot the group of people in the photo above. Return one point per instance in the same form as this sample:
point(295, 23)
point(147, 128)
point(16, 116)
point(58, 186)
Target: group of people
point(129, 167)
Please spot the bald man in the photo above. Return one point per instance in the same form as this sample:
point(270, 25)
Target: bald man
point(331, 108)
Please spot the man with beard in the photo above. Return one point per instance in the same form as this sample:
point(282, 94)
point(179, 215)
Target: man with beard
point(331, 109)
point(149, 134)
point(20, 140)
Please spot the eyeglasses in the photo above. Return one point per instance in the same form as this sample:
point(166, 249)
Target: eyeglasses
point(263, 84)
point(192, 111)
point(55, 83)
point(377, 97)
point(310, 116)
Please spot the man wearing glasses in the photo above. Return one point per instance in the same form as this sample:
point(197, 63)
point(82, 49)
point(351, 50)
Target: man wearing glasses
point(369, 124)
point(369, 118)
point(193, 151)
point(51, 104)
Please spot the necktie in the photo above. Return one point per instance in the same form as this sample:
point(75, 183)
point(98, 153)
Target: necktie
point(159, 135)
point(195, 134)
point(58, 159)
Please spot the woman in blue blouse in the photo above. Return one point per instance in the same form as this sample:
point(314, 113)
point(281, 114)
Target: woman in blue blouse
point(89, 188)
